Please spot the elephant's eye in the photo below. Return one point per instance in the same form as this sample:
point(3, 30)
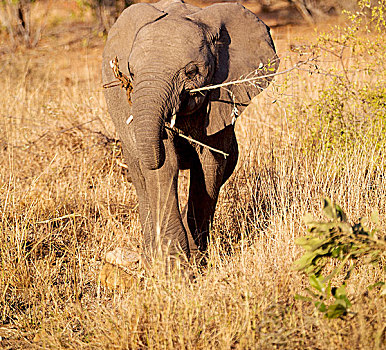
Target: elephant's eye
point(191, 71)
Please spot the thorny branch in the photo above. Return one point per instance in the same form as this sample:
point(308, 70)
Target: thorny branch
point(255, 78)
point(181, 134)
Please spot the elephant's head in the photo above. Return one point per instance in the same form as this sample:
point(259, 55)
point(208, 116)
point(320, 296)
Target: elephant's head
point(170, 48)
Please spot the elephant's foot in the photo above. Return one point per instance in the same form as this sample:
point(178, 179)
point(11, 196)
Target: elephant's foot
point(124, 258)
point(121, 269)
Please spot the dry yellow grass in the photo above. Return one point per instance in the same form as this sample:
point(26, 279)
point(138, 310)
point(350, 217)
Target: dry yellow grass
point(64, 203)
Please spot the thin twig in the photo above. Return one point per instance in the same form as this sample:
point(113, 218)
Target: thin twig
point(77, 126)
point(73, 215)
point(32, 143)
point(248, 80)
point(195, 141)
point(321, 73)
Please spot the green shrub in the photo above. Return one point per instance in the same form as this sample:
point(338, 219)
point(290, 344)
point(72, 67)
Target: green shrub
point(349, 245)
point(350, 106)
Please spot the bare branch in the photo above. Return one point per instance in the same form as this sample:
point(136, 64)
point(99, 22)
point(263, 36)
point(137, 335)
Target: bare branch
point(180, 133)
point(255, 78)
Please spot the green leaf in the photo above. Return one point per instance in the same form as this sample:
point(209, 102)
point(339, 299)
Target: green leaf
point(304, 261)
point(336, 252)
point(302, 241)
point(340, 213)
point(335, 311)
point(346, 228)
point(343, 302)
point(341, 291)
point(314, 295)
point(308, 219)
point(328, 290)
point(328, 209)
point(317, 283)
point(341, 296)
point(323, 251)
point(375, 217)
point(321, 306)
point(312, 269)
point(323, 227)
point(375, 285)
point(303, 298)
point(309, 243)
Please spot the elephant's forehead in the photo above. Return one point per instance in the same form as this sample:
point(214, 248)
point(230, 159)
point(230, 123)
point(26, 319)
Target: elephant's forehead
point(170, 34)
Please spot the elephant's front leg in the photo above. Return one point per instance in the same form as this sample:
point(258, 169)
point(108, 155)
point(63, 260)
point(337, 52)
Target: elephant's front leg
point(168, 235)
point(207, 176)
point(205, 182)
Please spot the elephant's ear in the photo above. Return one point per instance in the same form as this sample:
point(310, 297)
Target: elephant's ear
point(243, 47)
point(121, 36)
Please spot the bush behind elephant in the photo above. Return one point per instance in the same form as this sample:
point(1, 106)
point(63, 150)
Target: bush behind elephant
point(166, 50)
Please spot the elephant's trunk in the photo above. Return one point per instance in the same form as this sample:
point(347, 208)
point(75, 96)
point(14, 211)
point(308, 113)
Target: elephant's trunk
point(150, 108)
point(148, 130)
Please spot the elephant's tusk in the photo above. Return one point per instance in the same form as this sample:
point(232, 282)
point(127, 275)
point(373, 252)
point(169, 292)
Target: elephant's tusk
point(174, 117)
point(129, 120)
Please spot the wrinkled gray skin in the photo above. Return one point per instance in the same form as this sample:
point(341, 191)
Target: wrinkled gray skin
point(170, 48)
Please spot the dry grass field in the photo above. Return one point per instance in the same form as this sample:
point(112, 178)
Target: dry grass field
point(64, 202)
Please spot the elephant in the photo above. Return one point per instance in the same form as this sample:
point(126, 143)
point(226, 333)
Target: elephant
point(166, 50)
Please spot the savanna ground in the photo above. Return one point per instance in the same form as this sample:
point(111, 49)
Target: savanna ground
point(64, 202)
